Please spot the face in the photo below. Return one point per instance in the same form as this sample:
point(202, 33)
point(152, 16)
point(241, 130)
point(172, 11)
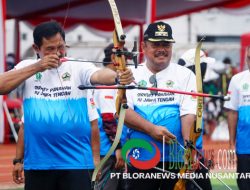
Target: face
point(52, 45)
point(158, 55)
point(248, 57)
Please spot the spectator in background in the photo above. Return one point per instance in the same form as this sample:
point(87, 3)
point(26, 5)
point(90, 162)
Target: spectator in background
point(10, 64)
point(226, 77)
point(228, 64)
point(10, 61)
point(208, 79)
point(105, 103)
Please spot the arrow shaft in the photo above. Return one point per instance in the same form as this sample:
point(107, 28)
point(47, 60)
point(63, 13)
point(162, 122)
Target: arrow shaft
point(85, 61)
point(131, 87)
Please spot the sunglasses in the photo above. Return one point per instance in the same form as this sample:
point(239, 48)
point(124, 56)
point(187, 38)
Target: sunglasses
point(153, 81)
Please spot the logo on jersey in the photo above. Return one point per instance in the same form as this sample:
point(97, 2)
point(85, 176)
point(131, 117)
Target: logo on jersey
point(66, 76)
point(109, 97)
point(245, 87)
point(142, 83)
point(136, 145)
point(169, 83)
point(38, 76)
point(92, 102)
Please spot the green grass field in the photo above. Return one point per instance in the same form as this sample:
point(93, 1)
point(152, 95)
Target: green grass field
point(217, 185)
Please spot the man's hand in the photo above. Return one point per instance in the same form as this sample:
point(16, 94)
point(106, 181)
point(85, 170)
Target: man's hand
point(231, 145)
point(17, 173)
point(232, 154)
point(125, 77)
point(159, 132)
point(96, 163)
point(119, 160)
point(49, 62)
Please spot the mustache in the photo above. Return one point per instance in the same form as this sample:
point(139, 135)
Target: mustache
point(161, 53)
point(61, 55)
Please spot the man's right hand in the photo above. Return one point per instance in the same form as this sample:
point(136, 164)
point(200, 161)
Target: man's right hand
point(49, 62)
point(17, 173)
point(120, 163)
point(159, 132)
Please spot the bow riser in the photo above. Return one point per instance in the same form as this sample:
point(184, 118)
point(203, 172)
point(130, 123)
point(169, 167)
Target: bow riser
point(120, 66)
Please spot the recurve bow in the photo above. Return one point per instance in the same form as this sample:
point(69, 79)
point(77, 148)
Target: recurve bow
point(120, 62)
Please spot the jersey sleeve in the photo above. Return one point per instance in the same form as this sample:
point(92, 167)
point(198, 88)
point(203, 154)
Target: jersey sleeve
point(25, 63)
point(234, 96)
point(87, 70)
point(92, 110)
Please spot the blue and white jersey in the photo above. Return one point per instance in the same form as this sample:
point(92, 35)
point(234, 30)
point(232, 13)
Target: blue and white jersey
point(239, 89)
point(105, 102)
point(164, 108)
point(57, 128)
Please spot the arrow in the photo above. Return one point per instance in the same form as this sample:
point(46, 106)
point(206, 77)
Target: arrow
point(85, 61)
point(132, 87)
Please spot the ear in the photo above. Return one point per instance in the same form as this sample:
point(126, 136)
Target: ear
point(36, 48)
point(143, 46)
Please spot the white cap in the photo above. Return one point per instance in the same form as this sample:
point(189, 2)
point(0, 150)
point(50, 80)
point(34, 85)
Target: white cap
point(213, 67)
point(189, 57)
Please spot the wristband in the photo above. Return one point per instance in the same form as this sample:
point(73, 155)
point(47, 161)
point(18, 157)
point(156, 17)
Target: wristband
point(17, 160)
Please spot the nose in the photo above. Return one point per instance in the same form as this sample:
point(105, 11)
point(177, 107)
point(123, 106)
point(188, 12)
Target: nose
point(161, 48)
point(59, 54)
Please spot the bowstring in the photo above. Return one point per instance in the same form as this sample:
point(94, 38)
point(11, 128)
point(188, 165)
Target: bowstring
point(204, 166)
point(67, 13)
point(58, 74)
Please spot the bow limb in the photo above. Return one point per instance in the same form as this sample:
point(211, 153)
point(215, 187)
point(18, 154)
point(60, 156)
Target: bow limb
point(119, 41)
point(196, 129)
point(114, 145)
